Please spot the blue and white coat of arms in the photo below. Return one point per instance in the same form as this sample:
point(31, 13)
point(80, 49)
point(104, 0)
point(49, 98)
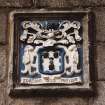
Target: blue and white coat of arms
point(51, 52)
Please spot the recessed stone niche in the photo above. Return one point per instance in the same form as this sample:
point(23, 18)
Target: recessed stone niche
point(49, 50)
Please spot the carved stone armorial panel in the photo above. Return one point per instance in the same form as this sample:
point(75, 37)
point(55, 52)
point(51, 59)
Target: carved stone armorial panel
point(49, 50)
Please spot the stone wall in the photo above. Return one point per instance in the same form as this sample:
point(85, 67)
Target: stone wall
point(98, 8)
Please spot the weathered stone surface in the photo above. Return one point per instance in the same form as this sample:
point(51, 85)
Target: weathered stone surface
point(100, 60)
point(3, 25)
point(49, 101)
point(69, 3)
point(99, 99)
point(100, 23)
point(2, 63)
point(15, 3)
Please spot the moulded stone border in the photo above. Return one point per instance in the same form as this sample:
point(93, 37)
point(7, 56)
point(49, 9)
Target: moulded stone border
point(14, 87)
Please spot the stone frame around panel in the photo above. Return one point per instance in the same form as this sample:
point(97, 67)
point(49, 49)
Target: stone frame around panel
point(14, 85)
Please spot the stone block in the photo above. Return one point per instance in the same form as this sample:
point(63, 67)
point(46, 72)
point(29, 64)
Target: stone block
point(93, 3)
point(59, 3)
point(15, 3)
point(3, 94)
point(3, 25)
point(50, 101)
point(99, 99)
point(68, 3)
point(100, 61)
point(2, 63)
point(100, 23)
